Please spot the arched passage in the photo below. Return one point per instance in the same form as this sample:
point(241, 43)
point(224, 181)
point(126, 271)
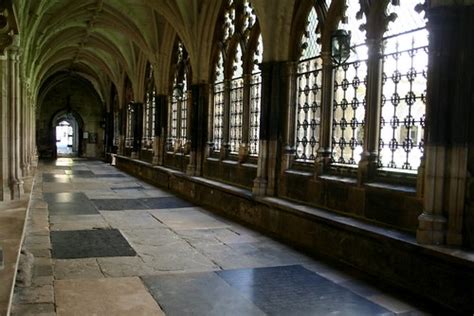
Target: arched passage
point(66, 128)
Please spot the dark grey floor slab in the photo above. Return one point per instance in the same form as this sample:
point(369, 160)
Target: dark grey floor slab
point(80, 173)
point(198, 294)
point(127, 188)
point(119, 204)
point(166, 202)
point(84, 208)
point(56, 178)
point(65, 197)
point(110, 175)
point(294, 290)
point(89, 244)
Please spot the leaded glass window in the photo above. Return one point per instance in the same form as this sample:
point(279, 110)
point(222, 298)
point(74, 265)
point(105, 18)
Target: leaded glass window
point(129, 128)
point(149, 109)
point(404, 88)
point(350, 89)
point(236, 102)
point(308, 107)
point(255, 99)
point(178, 103)
point(240, 53)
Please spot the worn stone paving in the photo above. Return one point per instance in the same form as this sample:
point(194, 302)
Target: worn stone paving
point(175, 258)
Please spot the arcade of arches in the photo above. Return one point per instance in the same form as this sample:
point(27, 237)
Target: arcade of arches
point(340, 127)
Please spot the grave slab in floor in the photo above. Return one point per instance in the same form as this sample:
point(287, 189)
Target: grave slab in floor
point(73, 209)
point(119, 204)
point(294, 290)
point(56, 178)
point(65, 197)
point(89, 244)
point(110, 175)
point(198, 294)
point(166, 202)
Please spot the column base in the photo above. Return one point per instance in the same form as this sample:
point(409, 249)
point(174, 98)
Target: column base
point(25, 170)
point(17, 189)
point(259, 187)
point(454, 239)
point(367, 167)
point(191, 170)
point(431, 229)
point(2, 265)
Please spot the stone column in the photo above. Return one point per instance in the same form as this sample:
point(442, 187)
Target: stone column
point(369, 157)
point(323, 158)
point(198, 128)
point(290, 114)
point(244, 145)
point(5, 193)
point(109, 131)
point(161, 118)
point(122, 129)
point(448, 109)
point(15, 176)
point(274, 99)
point(225, 146)
point(25, 166)
point(137, 128)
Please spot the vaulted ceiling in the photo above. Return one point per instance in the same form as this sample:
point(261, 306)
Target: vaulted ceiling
point(104, 40)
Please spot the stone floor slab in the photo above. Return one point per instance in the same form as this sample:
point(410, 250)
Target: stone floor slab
point(90, 243)
point(117, 296)
point(166, 202)
point(293, 290)
point(186, 219)
point(84, 208)
point(77, 269)
point(198, 294)
point(119, 204)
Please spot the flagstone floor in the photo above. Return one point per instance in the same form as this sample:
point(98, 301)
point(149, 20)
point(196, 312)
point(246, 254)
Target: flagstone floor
point(105, 243)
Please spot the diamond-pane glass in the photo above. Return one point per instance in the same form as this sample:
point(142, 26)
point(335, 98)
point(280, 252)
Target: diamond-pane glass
point(405, 67)
point(404, 103)
point(308, 110)
point(255, 105)
point(309, 41)
point(218, 122)
point(236, 114)
point(350, 87)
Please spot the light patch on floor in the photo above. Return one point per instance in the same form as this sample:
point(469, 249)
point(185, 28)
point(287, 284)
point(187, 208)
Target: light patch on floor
point(113, 296)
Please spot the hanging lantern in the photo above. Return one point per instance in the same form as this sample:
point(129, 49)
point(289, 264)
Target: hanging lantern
point(340, 46)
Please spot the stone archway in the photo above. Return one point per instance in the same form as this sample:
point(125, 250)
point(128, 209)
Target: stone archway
point(76, 124)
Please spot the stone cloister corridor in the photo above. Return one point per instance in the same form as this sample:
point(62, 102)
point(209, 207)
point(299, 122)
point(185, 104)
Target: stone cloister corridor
point(106, 243)
point(236, 157)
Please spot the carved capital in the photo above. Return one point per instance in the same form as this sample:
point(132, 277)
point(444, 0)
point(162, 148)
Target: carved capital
point(8, 25)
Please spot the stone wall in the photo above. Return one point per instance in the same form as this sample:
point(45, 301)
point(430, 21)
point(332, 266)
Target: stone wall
point(85, 102)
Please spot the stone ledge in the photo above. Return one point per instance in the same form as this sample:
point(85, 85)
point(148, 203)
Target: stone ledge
point(441, 274)
point(13, 220)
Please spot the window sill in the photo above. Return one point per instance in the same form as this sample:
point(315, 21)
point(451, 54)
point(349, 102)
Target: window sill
point(391, 187)
point(340, 179)
point(300, 173)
